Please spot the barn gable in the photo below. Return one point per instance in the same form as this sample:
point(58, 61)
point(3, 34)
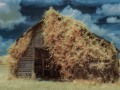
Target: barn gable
point(60, 47)
point(22, 51)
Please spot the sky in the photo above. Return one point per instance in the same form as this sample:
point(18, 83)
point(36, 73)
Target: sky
point(102, 17)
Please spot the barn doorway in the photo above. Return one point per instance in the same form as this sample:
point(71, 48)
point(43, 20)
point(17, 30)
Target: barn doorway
point(43, 67)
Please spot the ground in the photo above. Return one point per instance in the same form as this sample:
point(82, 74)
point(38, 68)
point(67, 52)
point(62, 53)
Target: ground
point(25, 84)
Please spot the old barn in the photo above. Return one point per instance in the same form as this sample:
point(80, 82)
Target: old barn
point(59, 47)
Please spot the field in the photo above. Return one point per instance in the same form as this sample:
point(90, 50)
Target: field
point(22, 84)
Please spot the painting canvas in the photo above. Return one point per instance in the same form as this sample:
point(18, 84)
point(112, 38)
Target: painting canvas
point(46, 44)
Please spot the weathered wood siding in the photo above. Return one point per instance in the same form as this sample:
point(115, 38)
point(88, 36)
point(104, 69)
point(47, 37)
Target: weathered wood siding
point(38, 41)
point(26, 66)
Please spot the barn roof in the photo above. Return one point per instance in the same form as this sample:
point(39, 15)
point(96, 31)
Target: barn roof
point(18, 49)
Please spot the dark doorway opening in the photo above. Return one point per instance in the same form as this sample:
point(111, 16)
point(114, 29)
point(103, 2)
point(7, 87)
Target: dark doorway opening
point(44, 67)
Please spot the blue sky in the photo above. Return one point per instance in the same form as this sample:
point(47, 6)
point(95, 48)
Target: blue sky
point(102, 17)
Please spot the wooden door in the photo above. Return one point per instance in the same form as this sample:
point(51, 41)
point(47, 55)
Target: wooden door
point(42, 63)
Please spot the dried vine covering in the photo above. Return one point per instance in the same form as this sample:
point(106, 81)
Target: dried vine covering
point(19, 48)
point(80, 53)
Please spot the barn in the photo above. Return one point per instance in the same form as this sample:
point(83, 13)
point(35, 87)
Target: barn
point(61, 48)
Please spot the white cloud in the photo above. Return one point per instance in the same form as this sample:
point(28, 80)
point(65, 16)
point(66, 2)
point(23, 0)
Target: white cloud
point(10, 14)
point(109, 9)
point(93, 2)
point(114, 39)
point(86, 18)
point(42, 3)
point(113, 20)
point(89, 21)
point(4, 45)
point(5, 8)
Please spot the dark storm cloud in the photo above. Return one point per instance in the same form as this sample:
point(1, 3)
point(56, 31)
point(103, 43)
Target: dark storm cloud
point(93, 2)
point(42, 3)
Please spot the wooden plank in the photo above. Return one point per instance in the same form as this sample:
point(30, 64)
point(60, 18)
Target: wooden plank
point(26, 65)
point(25, 62)
point(23, 70)
point(21, 76)
point(27, 55)
point(26, 68)
point(30, 51)
point(28, 59)
point(24, 74)
point(31, 57)
point(22, 66)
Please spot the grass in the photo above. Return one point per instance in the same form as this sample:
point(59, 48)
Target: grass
point(24, 84)
point(3, 59)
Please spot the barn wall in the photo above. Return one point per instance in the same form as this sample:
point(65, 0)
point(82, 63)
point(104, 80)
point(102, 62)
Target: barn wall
point(26, 66)
point(38, 41)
